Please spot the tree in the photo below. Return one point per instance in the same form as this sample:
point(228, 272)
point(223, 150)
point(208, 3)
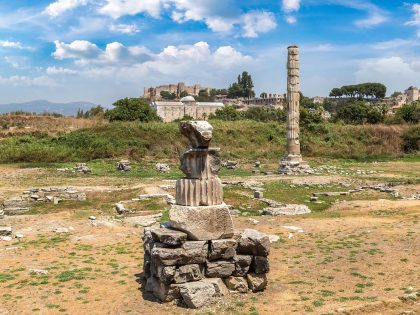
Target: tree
point(336, 92)
point(263, 95)
point(131, 109)
point(183, 94)
point(262, 113)
point(358, 112)
point(410, 112)
point(203, 96)
point(228, 113)
point(395, 94)
point(167, 95)
point(364, 90)
point(244, 87)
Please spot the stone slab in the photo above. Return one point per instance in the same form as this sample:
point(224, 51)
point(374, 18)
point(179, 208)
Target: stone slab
point(202, 223)
point(169, 237)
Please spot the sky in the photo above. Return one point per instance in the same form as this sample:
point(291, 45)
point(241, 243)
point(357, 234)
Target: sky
point(104, 50)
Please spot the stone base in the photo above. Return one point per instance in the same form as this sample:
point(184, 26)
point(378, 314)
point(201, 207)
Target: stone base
point(197, 273)
point(202, 223)
point(293, 164)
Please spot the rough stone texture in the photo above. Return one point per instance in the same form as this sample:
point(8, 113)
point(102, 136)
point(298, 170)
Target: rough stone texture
point(189, 253)
point(230, 165)
point(169, 237)
point(189, 273)
point(242, 265)
point(198, 132)
point(15, 206)
point(162, 291)
point(199, 192)
point(82, 168)
point(260, 265)
point(218, 285)
point(254, 243)
point(258, 194)
point(200, 163)
point(162, 168)
point(5, 230)
point(286, 209)
point(124, 166)
point(197, 294)
point(239, 284)
point(222, 249)
point(219, 269)
point(202, 223)
point(256, 282)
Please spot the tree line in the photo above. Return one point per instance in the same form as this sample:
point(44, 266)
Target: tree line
point(363, 90)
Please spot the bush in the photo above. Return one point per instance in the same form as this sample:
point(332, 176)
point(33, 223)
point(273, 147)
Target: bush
point(131, 109)
point(410, 112)
point(358, 112)
point(411, 139)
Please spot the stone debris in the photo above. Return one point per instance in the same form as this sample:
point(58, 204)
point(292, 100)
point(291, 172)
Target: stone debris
point(162, 168)
point(257, 164)
point(82, 168)
point(230, 165)
point(276, 208)
point(19, 235)
point(61, 230)
point(124, 166)
point(253, 221)
point(1, 213)
point(38, 271)
point(273, 238)
point(197, 273)
point(144, 221)
point(293, 228)
point(121, 209)
point(22, 204)
point(92, 218)
point(5, 230)
point(252, 185)
point(258, 194)
point(6, 238)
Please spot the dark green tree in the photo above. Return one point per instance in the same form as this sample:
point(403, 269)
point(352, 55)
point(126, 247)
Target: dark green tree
point(130, 109)
point(228, 113)
point(410, 112)
point(167, 95)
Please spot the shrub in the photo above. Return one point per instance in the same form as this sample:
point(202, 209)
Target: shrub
point(131, 109)
point(411, 139)
point(410, 112)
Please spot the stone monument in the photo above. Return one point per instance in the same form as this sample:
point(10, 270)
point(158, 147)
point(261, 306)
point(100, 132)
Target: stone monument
point(197, 257)
point(292, 161)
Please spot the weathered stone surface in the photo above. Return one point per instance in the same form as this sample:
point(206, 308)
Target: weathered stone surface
point(219, 269)
point(197, 294)
point(242, 265)
point(202, 223)
point(277, 208)
point(15, 206)
point(256, 282)
point(200, 163)
point(190, 252)
point(165, 274)
point(124, 166)
point(199, 132)
point(219, 286)
point(169, 237)
point(162, 291)
point(162, 168)
point(222, 249)
point(189, 273)
point(199, 192)
point(260, 265)
point(258, 194)
point(5, 230)
point(254, 243)
point(239, 284)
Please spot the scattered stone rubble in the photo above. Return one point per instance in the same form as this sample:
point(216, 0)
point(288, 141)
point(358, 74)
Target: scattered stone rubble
point(196, 273)
point(80, 167)
point(124, 166)
point(330, 169)
point(230, 165)
point(197, 257)
point(22, 204)
point(276, 208)
point(162, 168)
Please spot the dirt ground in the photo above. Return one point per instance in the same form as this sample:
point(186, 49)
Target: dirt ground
point(356, 257)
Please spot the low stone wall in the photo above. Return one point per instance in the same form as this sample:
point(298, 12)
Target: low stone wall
point(196, 273)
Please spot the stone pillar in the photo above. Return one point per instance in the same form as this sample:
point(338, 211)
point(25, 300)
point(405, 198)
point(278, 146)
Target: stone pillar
point(199, 210)
point(292, 161)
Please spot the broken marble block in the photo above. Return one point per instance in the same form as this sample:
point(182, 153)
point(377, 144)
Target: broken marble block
point(202, 223)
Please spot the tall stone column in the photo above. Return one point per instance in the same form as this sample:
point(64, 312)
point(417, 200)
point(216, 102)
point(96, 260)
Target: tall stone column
point(292, 161)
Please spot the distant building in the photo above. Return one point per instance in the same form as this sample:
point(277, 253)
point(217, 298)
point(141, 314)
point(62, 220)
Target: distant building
point(318, 99)
point(153, 93)
point(273, 100)
point(413, 94)
point(187, 106)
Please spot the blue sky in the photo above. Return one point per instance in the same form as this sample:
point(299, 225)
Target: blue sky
point(103, 50)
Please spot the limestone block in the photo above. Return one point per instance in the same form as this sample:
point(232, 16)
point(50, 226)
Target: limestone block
point(256, 282)
point(219, 269)
point(219, 286)
point(239, 284)
point(200, 163)
point(190, 252)
point(196, 192)
point(254, 243)
point(198, 132)
point(165, 274)
point(242, 265)
point(169, 237)
point(189, 273)
point(5, 230)
point(260, 265)
point(202, 223)
point(222, 249)
point(197, 294)
point(162, 291)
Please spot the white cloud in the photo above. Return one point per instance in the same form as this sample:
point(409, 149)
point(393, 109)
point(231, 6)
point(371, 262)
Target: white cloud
point(60, 6)
point(256, 22)
point(392, 44)
point(17, 81)
point(416, 15)
point(375, 18)
point(9, 44)
point(124, 28)
point(59, 71)
point(118, 8)
point(291, 19)
point(290, 5)
point(77, 49)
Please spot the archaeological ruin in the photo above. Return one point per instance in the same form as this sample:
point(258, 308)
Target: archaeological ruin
point(197, 257)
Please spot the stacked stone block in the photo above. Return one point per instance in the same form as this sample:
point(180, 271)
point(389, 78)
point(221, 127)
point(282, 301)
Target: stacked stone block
point(195, 273)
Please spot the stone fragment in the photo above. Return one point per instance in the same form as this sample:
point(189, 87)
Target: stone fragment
point(258, 194)
point(191, 252)
point(162, 291)
point(239, 284)
point(61, 230)
point(242, 265)
point(197, 294)
point(164, 273)
point(199, 132)
point(285, 209)
point(256, 282)
point(38, 271)
point(92, 218)
point(6, 238)
point(230, 165)
point(5, 230)
point(162, 168)
point(124, 166)
point(219, 269)
point(222, 249)
point(219, 286)
point(254, 243)
point(189, 273)
point(202, 223)
point(274, 238)
point(260, 265)
point(121, 209)
point(169, 237)
point(19, 235)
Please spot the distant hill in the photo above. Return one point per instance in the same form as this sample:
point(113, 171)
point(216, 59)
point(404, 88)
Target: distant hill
point(42, 106)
